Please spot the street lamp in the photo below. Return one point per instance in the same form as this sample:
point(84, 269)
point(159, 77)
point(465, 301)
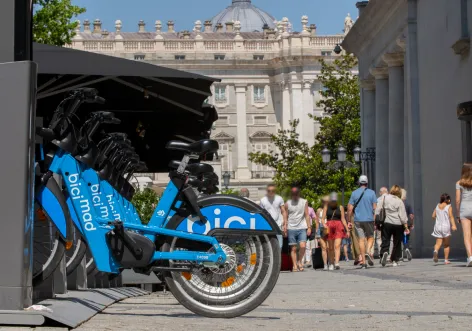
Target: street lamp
point(368, 159)
point(338, 49)
point(226, 178)
point(341, 163)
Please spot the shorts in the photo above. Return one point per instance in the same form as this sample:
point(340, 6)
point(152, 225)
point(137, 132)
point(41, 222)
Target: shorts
point(296, 236)
point(365, 229)
point(346, 241)
point(336, 230)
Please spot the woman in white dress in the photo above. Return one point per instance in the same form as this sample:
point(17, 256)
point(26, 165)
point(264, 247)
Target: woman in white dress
point(442, 228)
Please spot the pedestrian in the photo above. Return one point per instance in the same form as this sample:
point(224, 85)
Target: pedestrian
point(321, 232)
point(346, 245)
point(334, 220)
point(310, 243)
point(444, 218)
point(275, 206)
point(378, 233)
point(298, 225)
point(411, 226)
point(244, 193)
point(464, 206)
point(395, 224)
point(362, 205)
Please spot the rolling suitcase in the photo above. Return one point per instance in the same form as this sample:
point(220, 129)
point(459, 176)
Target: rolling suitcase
point(286, 264)
point(317, 259)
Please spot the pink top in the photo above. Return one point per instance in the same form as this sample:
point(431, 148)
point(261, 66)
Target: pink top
point(311, 212)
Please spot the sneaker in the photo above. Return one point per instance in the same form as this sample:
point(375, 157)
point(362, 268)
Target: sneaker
point(384, 259)
point(469, 262)
point(369, 260)
point(395, 264)
point(325, 268)
point(447, 262)
point(435, 256)
point(331, 267)
point(408, 254)
point(337, 267)
point(364, 266)
point(356, 262)
point(346, 259)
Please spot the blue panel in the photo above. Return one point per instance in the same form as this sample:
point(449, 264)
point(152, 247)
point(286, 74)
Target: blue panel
point(52, 207)
point(225, 217)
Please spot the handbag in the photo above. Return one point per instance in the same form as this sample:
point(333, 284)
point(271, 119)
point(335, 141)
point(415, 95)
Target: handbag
point(326, 228)
point(382, 215)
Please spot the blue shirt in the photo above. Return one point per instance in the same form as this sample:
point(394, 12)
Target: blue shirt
point(365, 209)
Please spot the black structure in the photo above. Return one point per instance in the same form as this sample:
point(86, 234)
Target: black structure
point(155, 104)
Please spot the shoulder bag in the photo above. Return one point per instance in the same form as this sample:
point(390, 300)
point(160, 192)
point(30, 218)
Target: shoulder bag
point(380, 218)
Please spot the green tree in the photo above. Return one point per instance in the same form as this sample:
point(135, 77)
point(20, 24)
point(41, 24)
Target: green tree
point(297, 163)
point(229, 191)
point(145, 202)
point(52, 21)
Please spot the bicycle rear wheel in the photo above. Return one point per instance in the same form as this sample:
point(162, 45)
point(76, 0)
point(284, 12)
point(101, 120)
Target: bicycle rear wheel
point(48, 246)
point(241, 285)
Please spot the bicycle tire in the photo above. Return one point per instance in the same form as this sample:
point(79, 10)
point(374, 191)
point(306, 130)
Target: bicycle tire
point(45, 261)
point(259, 294)
point(75, 255)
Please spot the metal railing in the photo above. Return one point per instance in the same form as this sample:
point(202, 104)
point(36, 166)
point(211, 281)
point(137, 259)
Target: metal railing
point(262, 174)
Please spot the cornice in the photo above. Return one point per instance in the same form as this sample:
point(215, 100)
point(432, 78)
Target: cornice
point(379, 72)
point(373, 19)
point(394, 59)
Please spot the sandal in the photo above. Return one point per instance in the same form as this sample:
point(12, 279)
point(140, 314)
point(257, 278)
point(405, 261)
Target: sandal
point(295, 270)
point(300, 268)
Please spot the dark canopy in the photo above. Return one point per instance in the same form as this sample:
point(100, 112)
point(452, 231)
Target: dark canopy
point(156, 104)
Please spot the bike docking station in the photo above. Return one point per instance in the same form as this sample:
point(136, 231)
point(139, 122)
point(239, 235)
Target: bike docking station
point(67, 300)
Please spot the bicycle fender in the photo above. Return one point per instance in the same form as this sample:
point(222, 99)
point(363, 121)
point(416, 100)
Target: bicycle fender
point(52, 200)
point(226, 213)
point(73, 215)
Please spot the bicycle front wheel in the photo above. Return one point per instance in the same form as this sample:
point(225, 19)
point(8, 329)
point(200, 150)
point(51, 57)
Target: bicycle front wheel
point(48, 246)
point(241, 285)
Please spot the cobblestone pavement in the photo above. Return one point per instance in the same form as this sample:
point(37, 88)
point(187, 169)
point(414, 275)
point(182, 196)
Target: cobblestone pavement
point(417, 295)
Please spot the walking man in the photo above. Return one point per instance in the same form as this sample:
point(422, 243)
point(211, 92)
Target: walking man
point(362, 205)
point(298, 224)
point(275, 206)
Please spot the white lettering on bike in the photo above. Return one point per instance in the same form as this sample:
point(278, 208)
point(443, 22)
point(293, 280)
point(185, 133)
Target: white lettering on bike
point(97, 201)
point(202, 257)
point(217, 222)
point(114, 212)
point(84, 203)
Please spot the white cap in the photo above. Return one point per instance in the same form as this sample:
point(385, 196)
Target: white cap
point(363, 179)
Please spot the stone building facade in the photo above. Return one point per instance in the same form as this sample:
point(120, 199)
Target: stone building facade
point(268, 75)
point(415, 70)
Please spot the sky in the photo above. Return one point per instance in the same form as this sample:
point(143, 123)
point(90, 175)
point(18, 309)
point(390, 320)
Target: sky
point(328, 15)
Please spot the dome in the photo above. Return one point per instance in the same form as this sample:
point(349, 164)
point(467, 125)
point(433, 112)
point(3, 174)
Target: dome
point(251, 18)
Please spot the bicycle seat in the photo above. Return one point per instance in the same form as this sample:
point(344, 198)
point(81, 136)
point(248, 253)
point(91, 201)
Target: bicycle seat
point(198, 147)
point(193, 168)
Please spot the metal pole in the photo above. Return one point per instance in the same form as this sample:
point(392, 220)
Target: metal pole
point(342, 183)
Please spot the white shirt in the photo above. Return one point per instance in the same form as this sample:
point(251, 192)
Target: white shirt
point(296, 214)
point(273, 208)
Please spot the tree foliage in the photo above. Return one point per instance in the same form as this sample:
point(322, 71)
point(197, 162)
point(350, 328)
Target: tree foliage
point(297, 163)
point(52, 21)
point(145, 202)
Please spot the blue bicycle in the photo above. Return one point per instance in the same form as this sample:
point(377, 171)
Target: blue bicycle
point(219, 254)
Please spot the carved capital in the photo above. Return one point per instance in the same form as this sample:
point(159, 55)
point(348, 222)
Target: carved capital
point(379, 72)
point(394, 59)
point(367, 84)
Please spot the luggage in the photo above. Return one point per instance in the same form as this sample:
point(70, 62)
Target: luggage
point(286, 264)
point(317, 259)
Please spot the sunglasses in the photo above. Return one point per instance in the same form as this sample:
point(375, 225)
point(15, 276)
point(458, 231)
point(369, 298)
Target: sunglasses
point(270, 191)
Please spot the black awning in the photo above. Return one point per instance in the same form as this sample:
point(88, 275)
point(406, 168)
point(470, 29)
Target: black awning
point(156, 104)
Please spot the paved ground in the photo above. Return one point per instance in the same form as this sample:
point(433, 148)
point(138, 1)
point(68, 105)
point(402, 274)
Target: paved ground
point(414, 296)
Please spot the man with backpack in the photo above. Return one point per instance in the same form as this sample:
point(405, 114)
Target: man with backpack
point(362, 205)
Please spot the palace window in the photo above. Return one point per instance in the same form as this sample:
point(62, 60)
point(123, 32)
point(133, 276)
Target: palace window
point(179, 57)
point(258, 57)
point(220, 93)
point(139, 57)
point(326, 53)
point(225, 154)
point(259, 170)
point(259, 94)
point(260, 120)
point(219, 57)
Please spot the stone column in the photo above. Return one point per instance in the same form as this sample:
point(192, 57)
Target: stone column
point(307, 123)
point(396, 106)
point(381, 126)
point(242, 171)
point(297, 107)
point(286, 105)
point(368, 113)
